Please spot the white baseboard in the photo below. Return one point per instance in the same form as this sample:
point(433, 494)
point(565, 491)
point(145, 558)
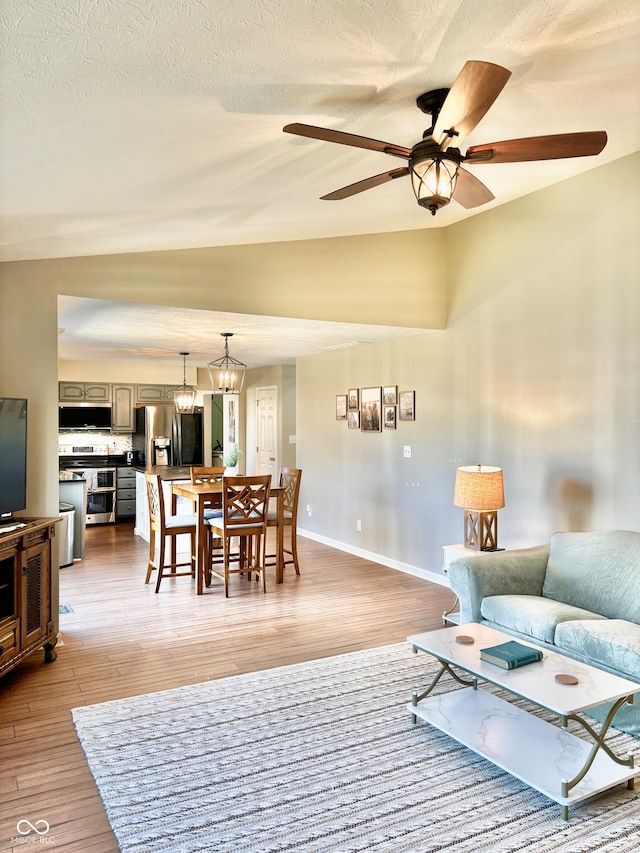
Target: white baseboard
point(426, 575)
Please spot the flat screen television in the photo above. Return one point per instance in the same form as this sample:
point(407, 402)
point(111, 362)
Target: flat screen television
point(13, 456)
point(83, 417)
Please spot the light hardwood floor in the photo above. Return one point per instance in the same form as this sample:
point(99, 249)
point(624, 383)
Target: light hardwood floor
point(122, 639)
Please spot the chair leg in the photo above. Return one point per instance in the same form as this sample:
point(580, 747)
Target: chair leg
point(152, 553)
point(227, 545)
point(294, 549)
point(261, 559)
point(161, 556)
point(208, 558)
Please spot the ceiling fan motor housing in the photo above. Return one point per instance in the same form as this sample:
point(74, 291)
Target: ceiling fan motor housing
point(433, 174)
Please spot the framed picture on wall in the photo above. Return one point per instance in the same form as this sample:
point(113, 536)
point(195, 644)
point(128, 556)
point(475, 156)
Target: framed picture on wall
point(353, 420)
point(231, 417)
point(389, 395)
point(371, 409)
point(341, 407)
point(407, 406)
point(353, 400)
point(389, 417)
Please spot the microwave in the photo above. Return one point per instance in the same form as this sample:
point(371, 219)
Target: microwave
point(83, 417)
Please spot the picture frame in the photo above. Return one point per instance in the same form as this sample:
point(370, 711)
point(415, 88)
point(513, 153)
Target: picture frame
point(390, 395)
point(353, 400)
point(371, 409)
point(341, 407)
point(389, 417)
point(231, 419)
point(407, 406)
point(353, 420)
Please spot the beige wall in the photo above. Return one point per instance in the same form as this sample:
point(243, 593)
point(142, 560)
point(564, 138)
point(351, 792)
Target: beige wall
point(132, 372)
point(538, 371)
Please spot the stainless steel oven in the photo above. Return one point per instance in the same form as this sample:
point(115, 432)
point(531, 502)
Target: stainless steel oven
point(92, 462)
point(101, 495)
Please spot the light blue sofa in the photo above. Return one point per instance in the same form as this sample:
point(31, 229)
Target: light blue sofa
point(579, 595)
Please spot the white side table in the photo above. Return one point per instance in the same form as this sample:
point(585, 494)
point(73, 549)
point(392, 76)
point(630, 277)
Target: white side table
point(451, 553)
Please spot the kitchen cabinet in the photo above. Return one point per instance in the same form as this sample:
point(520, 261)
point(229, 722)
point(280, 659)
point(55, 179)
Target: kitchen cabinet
point(151, 394)
point(84, 392)
point(125, 493)
point(123, 412)
point(26, 622)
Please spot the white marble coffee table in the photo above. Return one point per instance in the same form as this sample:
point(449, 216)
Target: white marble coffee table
point(560, 765)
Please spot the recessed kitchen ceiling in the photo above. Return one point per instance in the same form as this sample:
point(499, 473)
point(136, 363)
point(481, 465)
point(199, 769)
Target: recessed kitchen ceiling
point(131, 127)
point(102, 330)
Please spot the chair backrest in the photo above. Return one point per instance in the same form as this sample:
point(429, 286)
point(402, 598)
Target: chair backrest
point(245, 503)
point(204, 474)
point(290, 481)
point(155, 497)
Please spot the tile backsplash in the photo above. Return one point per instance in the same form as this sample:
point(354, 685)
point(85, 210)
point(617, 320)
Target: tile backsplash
point(117, 444)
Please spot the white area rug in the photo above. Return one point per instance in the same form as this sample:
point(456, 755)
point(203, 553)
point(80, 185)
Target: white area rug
point(323, 756)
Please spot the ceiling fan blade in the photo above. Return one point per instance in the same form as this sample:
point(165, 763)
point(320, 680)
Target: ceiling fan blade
point(366, 184)
point(552, 147)
point(470, 192)
point(475, 89)
point(328, 135)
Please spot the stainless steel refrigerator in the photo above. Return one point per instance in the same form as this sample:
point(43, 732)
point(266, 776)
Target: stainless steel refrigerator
point(167, 438)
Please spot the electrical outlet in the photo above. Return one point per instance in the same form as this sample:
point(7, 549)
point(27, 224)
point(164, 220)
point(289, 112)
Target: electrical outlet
point(407, 451)
point(309, 510)
point(359, 526)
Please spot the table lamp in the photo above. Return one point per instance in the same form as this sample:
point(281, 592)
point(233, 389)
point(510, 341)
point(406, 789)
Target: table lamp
point(479, 490)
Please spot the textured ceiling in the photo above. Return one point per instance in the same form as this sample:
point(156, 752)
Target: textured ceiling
point(100, 330)
point(138, 125)
point(135, 125)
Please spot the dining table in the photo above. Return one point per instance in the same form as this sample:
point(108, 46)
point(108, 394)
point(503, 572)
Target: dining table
point(200, 495)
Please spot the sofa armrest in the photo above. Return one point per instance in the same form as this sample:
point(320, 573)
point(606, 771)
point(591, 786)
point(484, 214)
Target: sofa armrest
point(518, 572)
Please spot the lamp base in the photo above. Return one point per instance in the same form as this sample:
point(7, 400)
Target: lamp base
point(481, 530)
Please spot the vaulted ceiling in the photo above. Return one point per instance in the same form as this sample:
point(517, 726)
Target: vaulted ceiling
point(130, 125)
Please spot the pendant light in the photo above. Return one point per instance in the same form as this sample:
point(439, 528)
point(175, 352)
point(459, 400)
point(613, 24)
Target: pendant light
point(227, 373)
point(184, 397)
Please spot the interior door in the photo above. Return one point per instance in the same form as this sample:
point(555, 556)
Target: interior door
point(267, 432)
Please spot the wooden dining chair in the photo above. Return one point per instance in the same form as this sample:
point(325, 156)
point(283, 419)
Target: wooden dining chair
point(290, 482)
point(204, 474)
point(245, 506)
point(163, 527)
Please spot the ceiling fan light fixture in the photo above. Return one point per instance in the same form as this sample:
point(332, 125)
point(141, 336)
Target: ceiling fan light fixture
point(184, 397)
point(227, 373)
point(434, 177)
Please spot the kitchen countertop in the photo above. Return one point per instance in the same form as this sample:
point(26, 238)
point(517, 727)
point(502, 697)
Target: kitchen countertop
point(168, 472)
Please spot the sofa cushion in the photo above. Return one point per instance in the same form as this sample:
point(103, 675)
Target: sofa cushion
point(615, 643)
point(531, 615)
point(597, 571)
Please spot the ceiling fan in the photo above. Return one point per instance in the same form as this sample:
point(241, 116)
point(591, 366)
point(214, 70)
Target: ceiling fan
point(434, 164)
